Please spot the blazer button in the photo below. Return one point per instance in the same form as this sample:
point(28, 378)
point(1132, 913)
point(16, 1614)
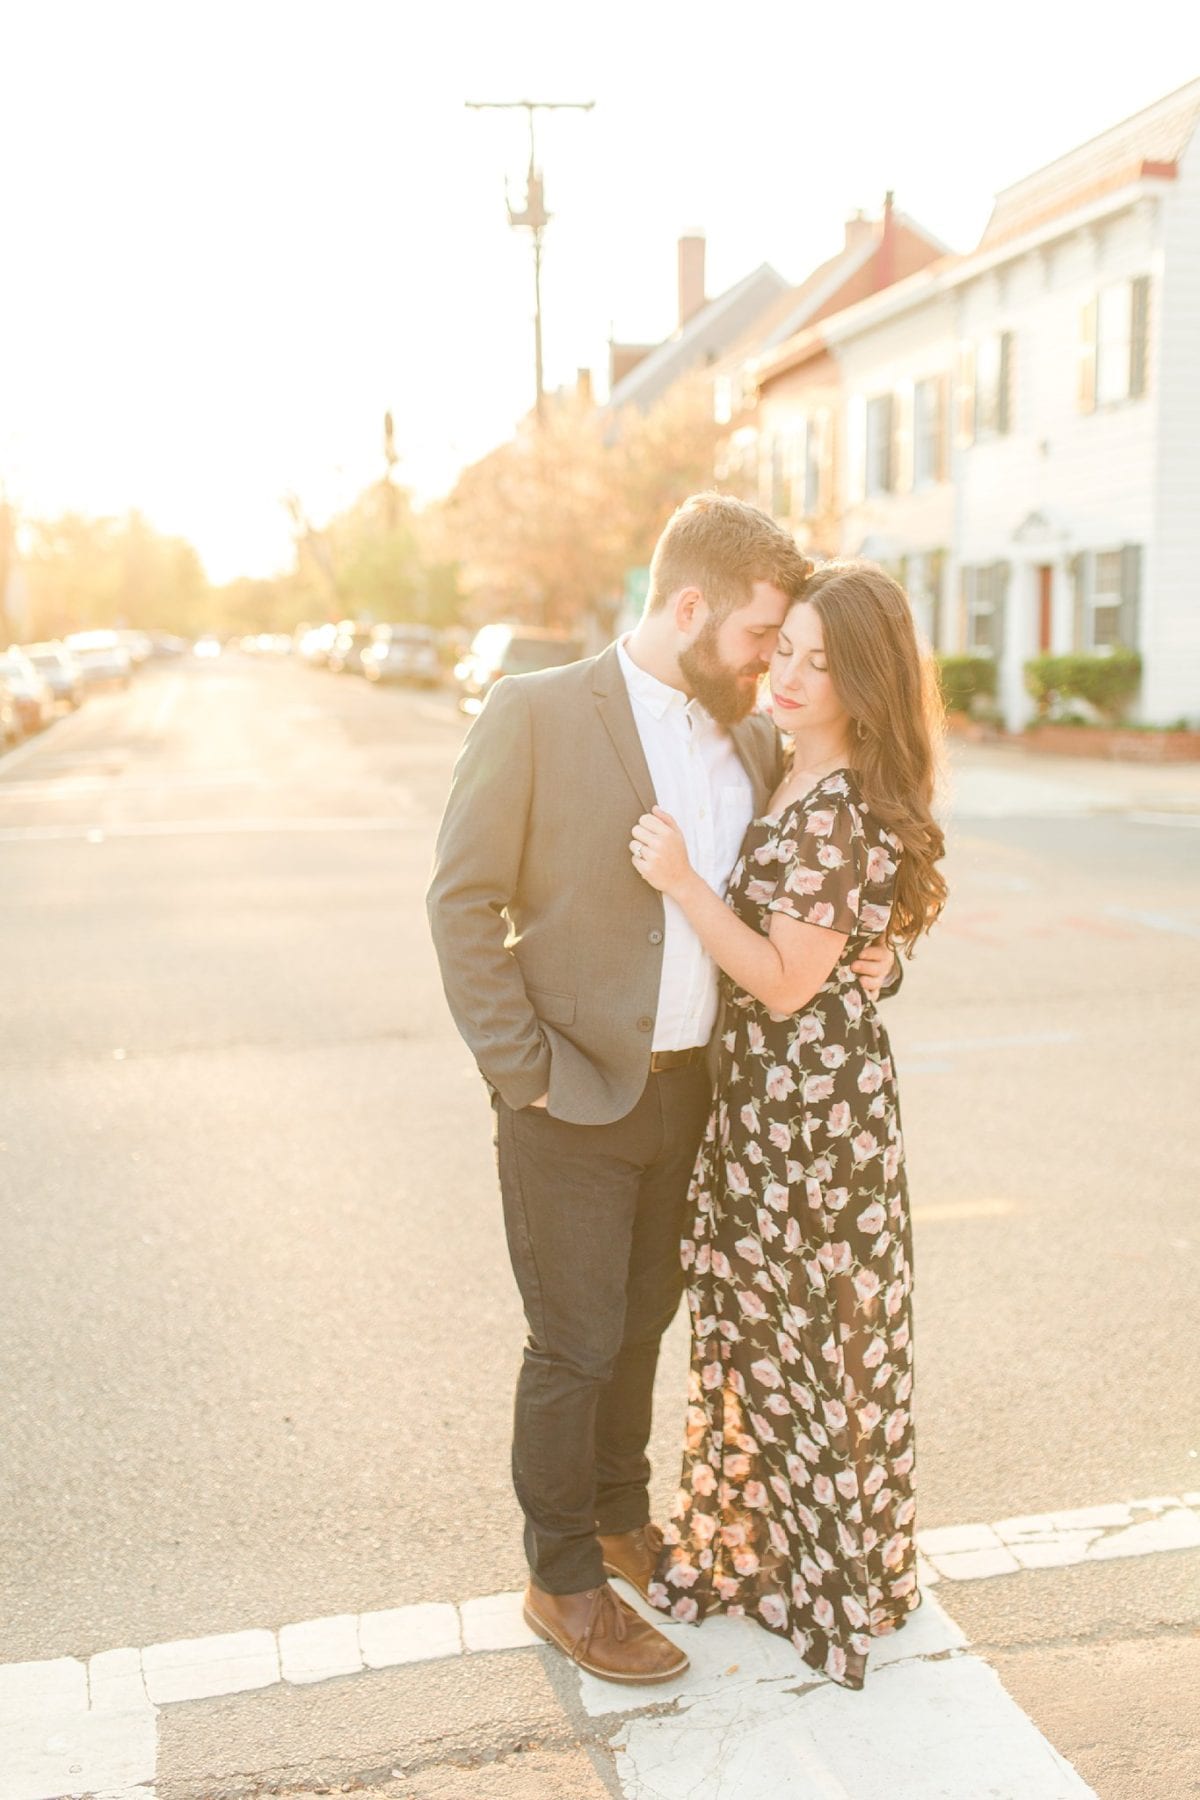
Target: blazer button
point(656, 936)
point(645, 1024)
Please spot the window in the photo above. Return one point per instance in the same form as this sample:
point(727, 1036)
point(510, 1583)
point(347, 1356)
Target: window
point(985, 589)
point(992, 360)
point(985, 400)
point(1113, 345)
point(929, 431)
point(922, 578)
point(1106, 601)
point(879, 445)
point(817, 443)
point(1114, 322)
point(1108, 598)
point(722, 399)
point(736, 464)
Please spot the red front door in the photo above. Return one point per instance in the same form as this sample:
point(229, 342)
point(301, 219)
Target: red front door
point(1045, 608)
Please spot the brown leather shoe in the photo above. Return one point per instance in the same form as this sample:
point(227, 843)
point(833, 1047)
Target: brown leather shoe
point(633, 1554)
point(603, 1635)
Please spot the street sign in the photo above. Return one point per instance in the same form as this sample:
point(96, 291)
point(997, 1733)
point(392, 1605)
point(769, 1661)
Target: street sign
point(637, 586)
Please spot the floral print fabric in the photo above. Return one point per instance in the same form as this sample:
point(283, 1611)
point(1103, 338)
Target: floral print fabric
point(795, 1506)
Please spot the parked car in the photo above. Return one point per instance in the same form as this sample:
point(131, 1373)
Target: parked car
point(31, 699)
point(498, 650)
point(138, 644)
point(403, 653)
point(165, 645)
point(314, 643)
point(60, 672)
point(102, 657)
point(346, 652)
point(10, 725)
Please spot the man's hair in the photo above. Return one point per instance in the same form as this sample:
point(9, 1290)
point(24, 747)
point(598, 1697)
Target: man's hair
point(722, 546)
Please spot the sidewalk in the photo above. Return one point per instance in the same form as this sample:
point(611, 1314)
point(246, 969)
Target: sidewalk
point(1003, 780)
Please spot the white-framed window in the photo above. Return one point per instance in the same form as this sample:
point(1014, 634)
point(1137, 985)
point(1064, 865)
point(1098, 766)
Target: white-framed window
point(816, 448)
point(985, 589)
point(736, 464)
point(1114, 325)
point(1104, 602)
point(722, 399)
point(1108, 598)
point(985, 396)
point(922, 579)
point(1113, 344)
point(929, 430)
point(785, 470)
point(879, 427)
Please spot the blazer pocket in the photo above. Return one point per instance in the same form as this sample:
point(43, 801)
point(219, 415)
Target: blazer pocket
point(556, 1009)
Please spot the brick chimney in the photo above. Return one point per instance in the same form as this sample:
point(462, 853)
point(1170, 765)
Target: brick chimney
point(691, 275)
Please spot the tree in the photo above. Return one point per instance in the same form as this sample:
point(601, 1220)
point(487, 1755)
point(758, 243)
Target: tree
point(546, 526)
point(85, 572)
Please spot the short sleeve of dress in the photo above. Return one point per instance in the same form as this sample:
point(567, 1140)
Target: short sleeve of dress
point(822, 855)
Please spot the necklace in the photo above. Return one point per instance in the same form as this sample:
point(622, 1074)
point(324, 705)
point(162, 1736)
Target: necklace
point(799, 783)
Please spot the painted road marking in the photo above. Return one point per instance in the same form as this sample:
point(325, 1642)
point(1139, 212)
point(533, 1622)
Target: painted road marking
point(89, 1727)
point(1018, 1040)
point(1156, 921)
point(1189, 821)
point(934, 1723)
point(171, 828)
point(935, 1212)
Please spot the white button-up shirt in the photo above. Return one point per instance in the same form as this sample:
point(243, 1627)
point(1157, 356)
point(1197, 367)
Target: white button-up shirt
point(699, 779)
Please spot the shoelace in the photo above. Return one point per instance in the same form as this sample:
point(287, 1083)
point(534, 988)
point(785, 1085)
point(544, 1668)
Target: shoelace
point(606, 1608)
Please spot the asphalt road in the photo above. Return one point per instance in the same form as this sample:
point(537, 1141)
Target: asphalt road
point(257, 1329)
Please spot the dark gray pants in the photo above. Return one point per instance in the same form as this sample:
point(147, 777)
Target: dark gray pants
point(594, 1215)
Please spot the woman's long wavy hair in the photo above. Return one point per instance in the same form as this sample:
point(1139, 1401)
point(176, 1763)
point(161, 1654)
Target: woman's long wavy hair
point(891, 692)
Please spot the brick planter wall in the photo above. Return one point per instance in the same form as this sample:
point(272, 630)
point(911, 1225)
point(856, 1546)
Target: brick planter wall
point(1115, 744)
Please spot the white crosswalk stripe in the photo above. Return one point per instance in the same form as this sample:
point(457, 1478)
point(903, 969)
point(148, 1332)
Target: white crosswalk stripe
point(746, 1720)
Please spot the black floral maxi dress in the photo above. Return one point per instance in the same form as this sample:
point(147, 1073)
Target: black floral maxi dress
point(795, 1506)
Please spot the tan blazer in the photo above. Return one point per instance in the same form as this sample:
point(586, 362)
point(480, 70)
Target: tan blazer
point(550, 943)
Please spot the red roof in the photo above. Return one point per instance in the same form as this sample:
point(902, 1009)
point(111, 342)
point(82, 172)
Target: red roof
point(1150, 143)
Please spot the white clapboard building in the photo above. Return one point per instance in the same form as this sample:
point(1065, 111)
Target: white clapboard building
point(1019, 428)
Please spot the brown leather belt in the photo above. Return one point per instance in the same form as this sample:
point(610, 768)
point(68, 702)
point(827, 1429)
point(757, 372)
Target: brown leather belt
point(676, 1059)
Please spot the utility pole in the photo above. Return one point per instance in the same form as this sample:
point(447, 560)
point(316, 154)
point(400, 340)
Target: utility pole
point(390, 459)
point(533, 216)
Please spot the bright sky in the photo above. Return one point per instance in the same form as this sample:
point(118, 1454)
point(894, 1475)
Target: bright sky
point(235, 233)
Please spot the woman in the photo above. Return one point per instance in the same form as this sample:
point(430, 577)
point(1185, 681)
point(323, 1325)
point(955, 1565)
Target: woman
point(795, 1506)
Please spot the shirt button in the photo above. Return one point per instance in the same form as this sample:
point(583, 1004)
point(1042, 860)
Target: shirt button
point(645, 1023)
point(656, 936)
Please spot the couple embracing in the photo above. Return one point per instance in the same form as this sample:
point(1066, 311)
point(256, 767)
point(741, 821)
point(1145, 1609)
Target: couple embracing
point(663, 927)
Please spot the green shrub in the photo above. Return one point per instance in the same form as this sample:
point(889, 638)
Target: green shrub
point(1106, 682)
point(965, 678)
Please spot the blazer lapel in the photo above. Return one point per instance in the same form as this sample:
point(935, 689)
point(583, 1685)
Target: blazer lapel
point(750, 746)
point(613, 704)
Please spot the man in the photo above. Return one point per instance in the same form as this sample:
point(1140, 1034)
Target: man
point(589, 1005)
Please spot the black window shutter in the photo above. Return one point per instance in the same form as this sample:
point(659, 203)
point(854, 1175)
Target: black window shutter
point(1131, 595)
point(1000, 573)
point(1080, 578)
point(1139, 337)
point(968, 602)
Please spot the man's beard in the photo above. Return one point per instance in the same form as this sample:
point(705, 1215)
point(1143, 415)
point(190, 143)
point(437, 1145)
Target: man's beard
point(728, 695)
